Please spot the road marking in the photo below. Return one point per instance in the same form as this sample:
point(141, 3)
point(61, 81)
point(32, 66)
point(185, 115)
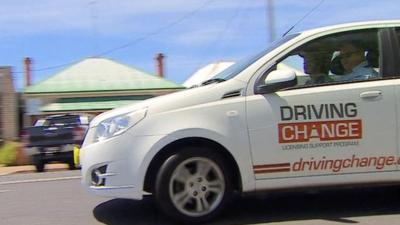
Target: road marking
point(39, 180)
point(2, 191)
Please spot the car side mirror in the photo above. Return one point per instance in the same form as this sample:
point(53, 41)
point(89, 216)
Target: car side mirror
point(277, 80)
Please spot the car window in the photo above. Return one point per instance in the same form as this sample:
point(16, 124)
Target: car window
point(239, 66)
point(40, 122)
point(63, 121)
point(84, 120)
point(343, 57)
point(398, 34)
point(390, 56)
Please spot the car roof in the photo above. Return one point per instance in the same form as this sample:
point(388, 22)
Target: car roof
point(345, 26)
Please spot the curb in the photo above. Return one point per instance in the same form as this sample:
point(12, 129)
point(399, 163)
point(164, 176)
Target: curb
point(8, 170)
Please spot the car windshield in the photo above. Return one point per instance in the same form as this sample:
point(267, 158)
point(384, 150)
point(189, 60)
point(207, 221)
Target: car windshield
point(239, 66)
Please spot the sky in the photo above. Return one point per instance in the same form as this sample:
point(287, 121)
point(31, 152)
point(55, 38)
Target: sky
point(190, 33)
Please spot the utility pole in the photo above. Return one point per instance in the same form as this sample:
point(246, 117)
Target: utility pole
point(94, 17)
point(270, 20)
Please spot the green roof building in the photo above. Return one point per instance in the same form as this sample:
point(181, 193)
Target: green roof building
point(92, 86)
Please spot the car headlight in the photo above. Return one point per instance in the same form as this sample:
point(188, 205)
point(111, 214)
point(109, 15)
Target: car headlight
point(117, 125)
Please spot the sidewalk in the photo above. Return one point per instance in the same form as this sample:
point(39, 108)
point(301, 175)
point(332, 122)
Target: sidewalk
point(6, 170)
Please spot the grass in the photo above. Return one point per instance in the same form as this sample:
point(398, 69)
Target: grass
point(8, 153)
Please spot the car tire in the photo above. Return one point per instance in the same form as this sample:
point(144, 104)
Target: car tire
point(193, 185)
point(39, 164)
point(71, 165)
point(70, 160)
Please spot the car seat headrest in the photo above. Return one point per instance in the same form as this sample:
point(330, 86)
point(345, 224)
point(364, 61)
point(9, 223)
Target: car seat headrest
point(336, 66)
point(372, 58)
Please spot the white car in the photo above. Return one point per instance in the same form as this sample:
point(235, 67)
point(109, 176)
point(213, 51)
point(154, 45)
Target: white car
point(255, 128)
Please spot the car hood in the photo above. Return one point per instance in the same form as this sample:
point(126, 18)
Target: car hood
point(180, 99)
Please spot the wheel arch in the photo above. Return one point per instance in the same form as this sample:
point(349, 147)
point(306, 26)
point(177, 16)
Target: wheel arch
point(175, 146)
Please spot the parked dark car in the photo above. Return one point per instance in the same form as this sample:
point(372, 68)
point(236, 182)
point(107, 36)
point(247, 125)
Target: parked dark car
point(52, 139)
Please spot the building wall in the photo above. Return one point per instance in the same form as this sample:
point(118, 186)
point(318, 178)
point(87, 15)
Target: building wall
point(1, 106)
point(9, 107)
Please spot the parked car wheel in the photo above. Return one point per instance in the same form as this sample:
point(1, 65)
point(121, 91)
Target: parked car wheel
point(71, 165)
point(193, 185)
point(39, 164)
point(70, 161)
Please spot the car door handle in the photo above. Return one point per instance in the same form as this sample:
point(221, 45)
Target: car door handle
point(371, 94)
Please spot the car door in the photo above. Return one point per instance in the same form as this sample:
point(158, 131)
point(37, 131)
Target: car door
point(340, 131)
point(391, 48)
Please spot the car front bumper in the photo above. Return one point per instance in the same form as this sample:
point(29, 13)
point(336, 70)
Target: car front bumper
point(116, 167)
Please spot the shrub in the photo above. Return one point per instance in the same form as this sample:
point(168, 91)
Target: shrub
point(8, 153)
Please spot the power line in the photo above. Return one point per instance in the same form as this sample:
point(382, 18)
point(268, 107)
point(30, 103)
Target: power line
point(135, 41)
point(160, 30)
point(231, 19)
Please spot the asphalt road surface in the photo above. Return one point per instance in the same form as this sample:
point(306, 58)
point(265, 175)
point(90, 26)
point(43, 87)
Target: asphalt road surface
point(56, 198)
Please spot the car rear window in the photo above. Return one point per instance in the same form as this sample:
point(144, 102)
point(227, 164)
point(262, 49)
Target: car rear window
point(62, 121)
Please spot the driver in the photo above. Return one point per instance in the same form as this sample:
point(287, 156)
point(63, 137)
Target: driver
point(352, 57)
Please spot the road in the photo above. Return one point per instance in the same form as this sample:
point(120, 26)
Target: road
point(56, 198)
